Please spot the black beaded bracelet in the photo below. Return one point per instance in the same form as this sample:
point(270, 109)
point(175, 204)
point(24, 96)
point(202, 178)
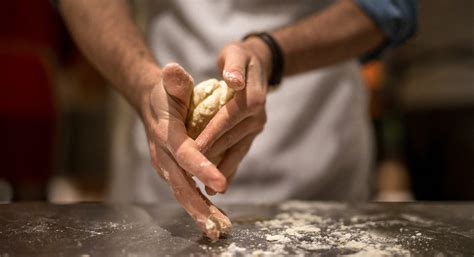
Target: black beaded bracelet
point(277, 56)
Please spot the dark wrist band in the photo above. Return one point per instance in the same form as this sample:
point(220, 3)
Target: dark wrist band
point(277, 56)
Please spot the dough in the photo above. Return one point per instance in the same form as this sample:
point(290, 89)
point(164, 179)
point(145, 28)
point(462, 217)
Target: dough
point(208, 97)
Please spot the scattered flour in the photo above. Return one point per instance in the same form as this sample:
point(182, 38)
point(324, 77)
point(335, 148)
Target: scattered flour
point(302, 228)
point(278, 238)
point(232, 250)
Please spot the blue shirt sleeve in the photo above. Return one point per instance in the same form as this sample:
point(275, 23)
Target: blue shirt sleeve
point(396, 19)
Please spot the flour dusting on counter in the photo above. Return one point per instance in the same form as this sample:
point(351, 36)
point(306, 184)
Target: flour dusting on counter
point(302, 228)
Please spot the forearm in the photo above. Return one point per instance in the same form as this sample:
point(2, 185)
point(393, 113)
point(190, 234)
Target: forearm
point(340, 32)
point(106, 34)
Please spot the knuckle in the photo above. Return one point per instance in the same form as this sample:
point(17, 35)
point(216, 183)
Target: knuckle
point(259, 126)
point(256, 103)
point(180, 154)
point(251, 65)
point(255, 63)
point(228, 138)
point(233, 47)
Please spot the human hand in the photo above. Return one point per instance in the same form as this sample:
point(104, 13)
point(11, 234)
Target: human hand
point(245, 67)
point(175, 156)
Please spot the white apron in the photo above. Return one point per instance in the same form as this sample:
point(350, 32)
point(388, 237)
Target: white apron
point(317, 142)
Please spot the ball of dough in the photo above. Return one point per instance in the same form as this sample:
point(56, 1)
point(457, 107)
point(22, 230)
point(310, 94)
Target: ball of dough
point(208, 97)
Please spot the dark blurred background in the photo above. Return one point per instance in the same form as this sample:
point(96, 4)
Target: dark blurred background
point(60, 122)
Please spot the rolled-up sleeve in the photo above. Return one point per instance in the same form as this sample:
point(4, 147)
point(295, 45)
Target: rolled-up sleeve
point(395, 18)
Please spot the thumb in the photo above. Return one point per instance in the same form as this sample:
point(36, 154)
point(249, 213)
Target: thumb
point(178, 83)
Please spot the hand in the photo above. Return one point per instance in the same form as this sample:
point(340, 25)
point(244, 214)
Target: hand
point(175, 156)
point(245, 67)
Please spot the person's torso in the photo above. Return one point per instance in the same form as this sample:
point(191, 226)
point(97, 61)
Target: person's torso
point(316, 143)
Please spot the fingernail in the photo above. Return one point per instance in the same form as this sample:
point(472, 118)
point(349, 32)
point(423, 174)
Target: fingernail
point(234, 77)
point(209, 191)
point(219, 185)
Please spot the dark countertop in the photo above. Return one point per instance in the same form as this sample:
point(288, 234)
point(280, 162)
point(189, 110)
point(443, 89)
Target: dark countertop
point(305, 228)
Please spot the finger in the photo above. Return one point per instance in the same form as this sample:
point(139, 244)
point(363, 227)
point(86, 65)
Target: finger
point(248, 126)
point(234, 156)
point(209, 191)
point(233, 62)
point(178, 83)
point(189, 196)
point(188, 156)
point(225, 119)
point(256, 80)
point(244, 103)
point(182, 186)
